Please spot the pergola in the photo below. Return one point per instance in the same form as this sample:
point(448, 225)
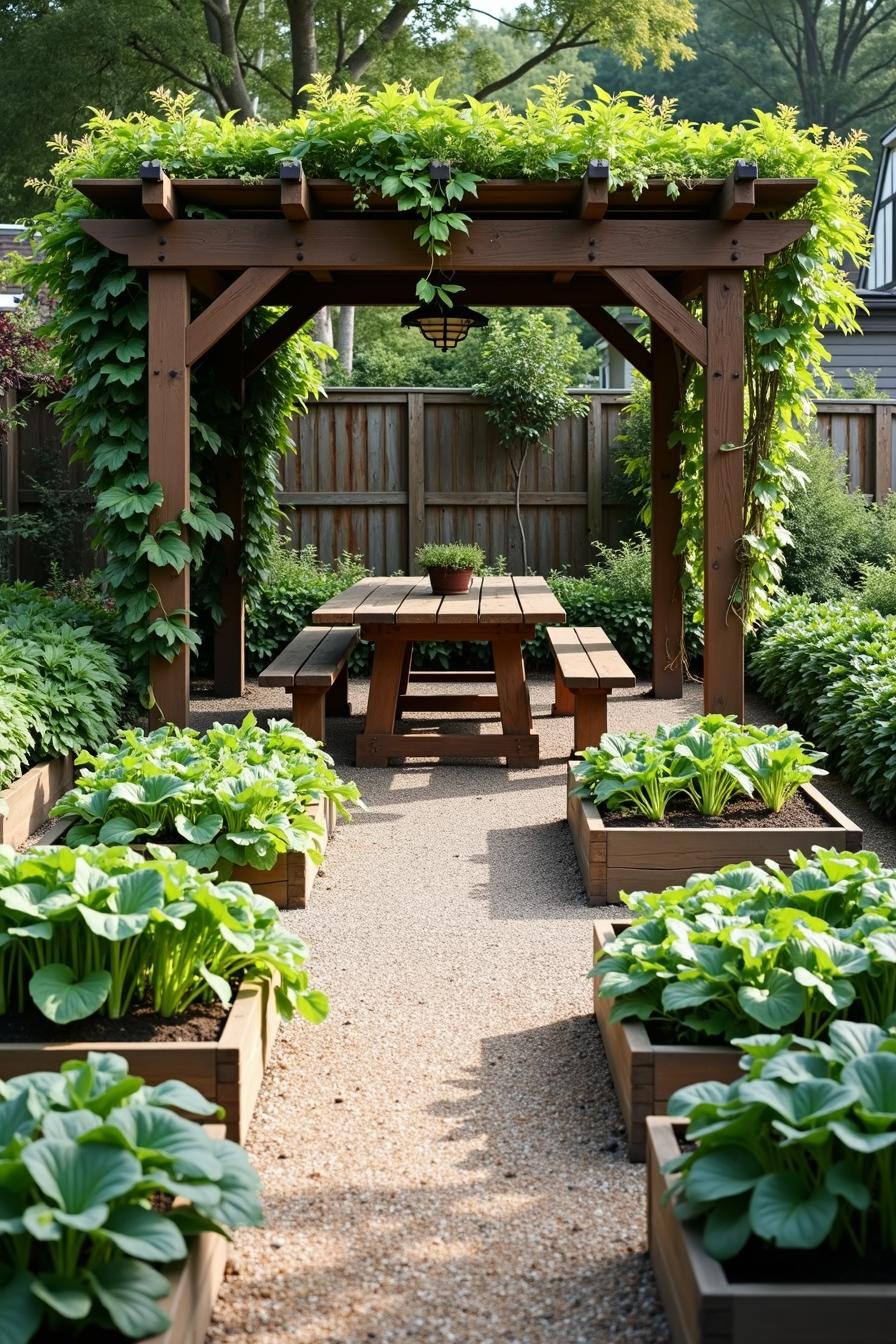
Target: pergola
point(303, 243)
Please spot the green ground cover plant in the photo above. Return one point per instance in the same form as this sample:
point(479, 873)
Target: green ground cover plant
point(90, 1160)
point(457, 555)
point(238, 794)
point(831, 668)
point(799, 1153)
point(63, 689)
point(103, 929)
point(384, 141)
point(711, 759)
point(752, 947)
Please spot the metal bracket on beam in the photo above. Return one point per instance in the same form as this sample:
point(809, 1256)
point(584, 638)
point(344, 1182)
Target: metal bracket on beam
point(157, 192)
point(295, 199)
point(595, 194)
point(439, 172)
point(737, 195)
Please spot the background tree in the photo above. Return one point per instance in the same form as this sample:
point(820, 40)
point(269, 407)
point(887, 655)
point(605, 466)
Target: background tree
point(527, 369)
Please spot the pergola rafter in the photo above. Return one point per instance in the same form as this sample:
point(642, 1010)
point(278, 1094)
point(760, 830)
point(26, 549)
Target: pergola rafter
point(303, 243)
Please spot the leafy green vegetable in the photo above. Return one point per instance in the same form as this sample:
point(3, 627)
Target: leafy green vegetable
point(89, 1157)
point(450, 555)
point(798, 1153)
point(712, 759)
point(749, 946)
point(234, 795)
point(102, 929)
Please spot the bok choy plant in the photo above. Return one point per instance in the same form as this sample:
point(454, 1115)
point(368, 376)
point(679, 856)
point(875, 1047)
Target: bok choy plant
point(750, 947)
point(237, 795)
point(799, 1153)
point(90, 1163)
point(712, 760)
point(102, 929)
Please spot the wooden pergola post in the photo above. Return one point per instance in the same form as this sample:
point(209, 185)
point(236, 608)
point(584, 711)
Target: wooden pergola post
point(665, 520)
point(723, 492)
point(169, 465)
point(230, 634)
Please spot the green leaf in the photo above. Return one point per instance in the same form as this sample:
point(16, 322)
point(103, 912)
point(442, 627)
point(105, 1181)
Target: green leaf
point(80, 1177)
point(121, 831)
point(787, 1212)
point(727, 1228)
point(129, 1290)
point(775, 1004)
point(145, 1235)
point(62, 998)
point(721, 1173)
point(20, 1313)
point(199, 832)
point(159, 1136)
point(65, 1296)
point(845, 1180)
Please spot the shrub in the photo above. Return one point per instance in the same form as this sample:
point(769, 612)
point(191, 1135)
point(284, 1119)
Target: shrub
point(92, 1160)
point(877, 589)
point(798, 1153)
point(235, 795)
point(294, 583)
point(457, 555)
point(831, 669)
point(105, 929)
point(712, 760)
point(750, 947)
point(833, 529)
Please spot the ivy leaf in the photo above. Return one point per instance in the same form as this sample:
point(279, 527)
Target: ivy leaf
point(165, 549)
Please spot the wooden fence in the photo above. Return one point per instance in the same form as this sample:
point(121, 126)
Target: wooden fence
point(381, 470)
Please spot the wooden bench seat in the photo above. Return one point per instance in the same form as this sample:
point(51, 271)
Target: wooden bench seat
point(586, 669)
point(314, 669)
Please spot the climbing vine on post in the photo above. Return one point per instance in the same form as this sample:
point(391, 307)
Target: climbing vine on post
point(385, 142)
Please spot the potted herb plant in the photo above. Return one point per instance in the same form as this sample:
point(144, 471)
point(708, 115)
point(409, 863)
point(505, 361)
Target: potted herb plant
point(116, 1208)
point(450, 564)
point(104, 946)
point(741, 950)
point(239, 799)
point(775, 1219)
point(649, 808)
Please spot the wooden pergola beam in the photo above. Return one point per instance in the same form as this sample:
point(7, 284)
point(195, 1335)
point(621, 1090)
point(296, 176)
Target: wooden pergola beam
point(295, 199)
point(737, 197)
point(270, 340)
point(595, 195)
point(667, 600)
point(157, 192)
point(533, 245)
point(619, 336)
point(652, 297)
point(230, 307)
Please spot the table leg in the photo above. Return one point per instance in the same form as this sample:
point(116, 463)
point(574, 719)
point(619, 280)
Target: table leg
point(382, 706)
point(513, 695)
point(405, 676)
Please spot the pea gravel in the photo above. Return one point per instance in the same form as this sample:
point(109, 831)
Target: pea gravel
point(443, 1160)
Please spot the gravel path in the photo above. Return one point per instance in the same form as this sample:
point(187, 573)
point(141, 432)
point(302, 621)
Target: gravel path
point(443, 1159)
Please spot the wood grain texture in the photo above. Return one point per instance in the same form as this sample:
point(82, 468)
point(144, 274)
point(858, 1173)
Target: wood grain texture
point(231, 306)
point(168, 409)
point(507, 245)
point(663, 308)
point(230, 632)
point(723, 485)
point(667, 601)
point(619, 336)
point(29, 799)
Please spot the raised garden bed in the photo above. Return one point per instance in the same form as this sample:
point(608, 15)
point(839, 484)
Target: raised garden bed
point(228, 1071)
point(707, 1303)
point(195, 1285)
point(29, 799)
point(649, 857)
point(644, 1073)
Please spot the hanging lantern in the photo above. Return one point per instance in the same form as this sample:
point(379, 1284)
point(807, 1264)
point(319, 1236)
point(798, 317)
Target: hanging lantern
point(445, 327)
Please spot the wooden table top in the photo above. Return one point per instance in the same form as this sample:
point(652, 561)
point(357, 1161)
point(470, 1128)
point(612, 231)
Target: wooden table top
point(502, 600)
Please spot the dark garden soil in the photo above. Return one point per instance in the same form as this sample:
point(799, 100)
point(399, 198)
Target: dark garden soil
point(800, 812)
point(760, 1263)
point(201, 1022)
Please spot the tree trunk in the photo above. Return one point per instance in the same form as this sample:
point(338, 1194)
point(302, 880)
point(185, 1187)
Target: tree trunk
point(517, 469)
point(303, 48)
point(323, 330)
point(345, 337)
point(222, 33)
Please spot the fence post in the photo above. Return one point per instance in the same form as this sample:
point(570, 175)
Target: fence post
point(416, 483)
point(594, 469)
point(883, 450)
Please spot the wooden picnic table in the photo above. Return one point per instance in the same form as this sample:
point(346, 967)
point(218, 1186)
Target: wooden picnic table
point(396, 613)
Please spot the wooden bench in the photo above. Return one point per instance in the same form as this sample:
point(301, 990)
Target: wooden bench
point(314, 669)
point(586, 669)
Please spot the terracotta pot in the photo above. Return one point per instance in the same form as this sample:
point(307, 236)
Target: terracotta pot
point(449, 580)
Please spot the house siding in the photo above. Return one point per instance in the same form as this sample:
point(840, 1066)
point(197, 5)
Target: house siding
point(873, 348)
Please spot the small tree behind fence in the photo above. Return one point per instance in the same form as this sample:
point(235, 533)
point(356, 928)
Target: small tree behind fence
point(380, 471)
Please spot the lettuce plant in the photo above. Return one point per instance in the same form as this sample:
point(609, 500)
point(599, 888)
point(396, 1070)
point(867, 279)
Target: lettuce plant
point(750, 947)
point(90, 1162)
point(799, 1153)
point(235, 795)
point(102, 929)
point(712, 759)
